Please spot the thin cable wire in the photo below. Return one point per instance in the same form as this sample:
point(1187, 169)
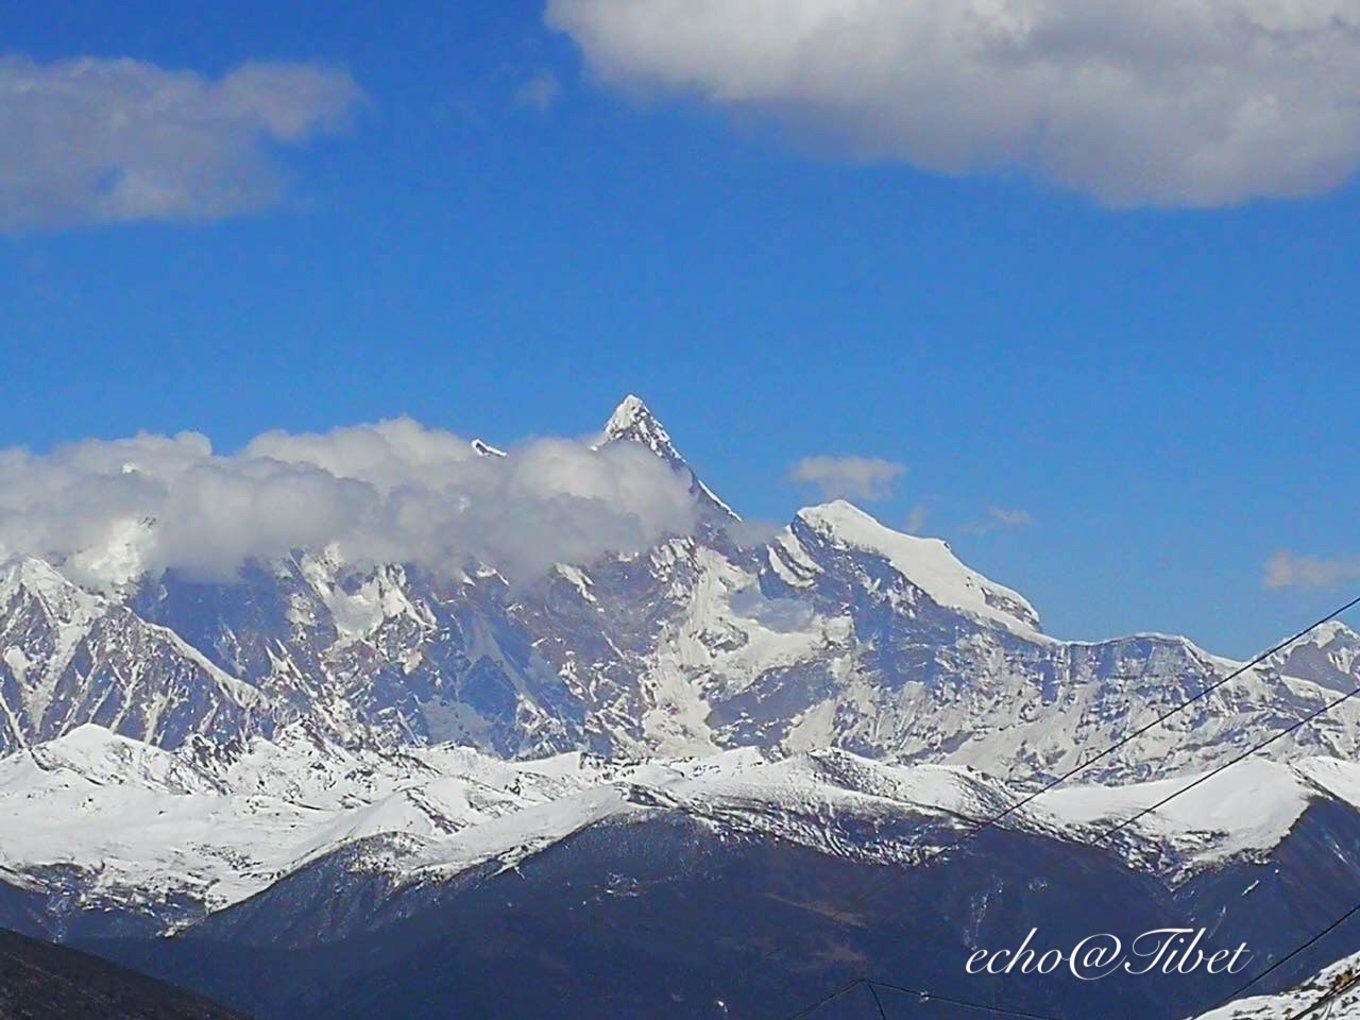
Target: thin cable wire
point(992, 820)
point(877, 1001)
point(947, 1000)
point(1297, 724)
point(827, 1000)
point(1238, 992)
point(1335, 993)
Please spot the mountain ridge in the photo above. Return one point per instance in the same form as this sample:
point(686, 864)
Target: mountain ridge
point(326, 752)
point(837, 631)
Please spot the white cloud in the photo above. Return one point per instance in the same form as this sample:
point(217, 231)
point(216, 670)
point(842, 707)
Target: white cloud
point(999, 519)
point(1009, 518)
point(748, 534)
point(851, 477)
point(1285, 570)
point(391, 492)
point(91, 141)
point(1163, 102)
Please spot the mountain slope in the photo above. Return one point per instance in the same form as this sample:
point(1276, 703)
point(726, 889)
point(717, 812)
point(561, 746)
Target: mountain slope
point(670, 916)
point(110, 834)
point(68, 657)
point(40, 981)
point(322, 751)
point(1335, 984)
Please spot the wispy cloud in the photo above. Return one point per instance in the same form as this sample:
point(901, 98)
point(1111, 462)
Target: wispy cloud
point(999, 519)
point(1285, 570)
point(867, 478)
point(1162, 102)
point(391, 492)
point(92, 141)
point(916, 520)
point(541, 92)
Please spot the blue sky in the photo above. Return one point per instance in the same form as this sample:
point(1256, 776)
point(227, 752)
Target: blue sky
point(506, 237)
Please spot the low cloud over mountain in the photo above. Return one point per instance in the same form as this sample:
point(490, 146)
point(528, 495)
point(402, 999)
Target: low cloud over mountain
point(396, 491)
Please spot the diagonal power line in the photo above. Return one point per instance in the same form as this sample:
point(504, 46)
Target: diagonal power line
point(1313, 940)
point(946, 1000)
point(992, 820)
point(1335, 993)
point(1237, 992)
point(828, 999)
point(954, 1002)
point(1296, 725)
point(878, 1003)
point(1129, 738)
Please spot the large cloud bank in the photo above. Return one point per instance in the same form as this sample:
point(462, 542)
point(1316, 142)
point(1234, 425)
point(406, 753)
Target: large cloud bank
point(108, 511)
point(92, 141)
point(1164, 102)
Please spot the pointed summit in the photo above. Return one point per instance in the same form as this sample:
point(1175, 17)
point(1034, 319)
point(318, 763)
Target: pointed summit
point(630, 409)
point(633, 422)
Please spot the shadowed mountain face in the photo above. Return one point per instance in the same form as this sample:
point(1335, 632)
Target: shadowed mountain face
point(41, 981)
point(668, 919)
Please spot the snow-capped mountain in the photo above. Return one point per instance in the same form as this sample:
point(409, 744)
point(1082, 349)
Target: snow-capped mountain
point(836, 632)
point(632, 422)
point(69, 657)
point(320, 752)
point(298, 845)
point(103, 821)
